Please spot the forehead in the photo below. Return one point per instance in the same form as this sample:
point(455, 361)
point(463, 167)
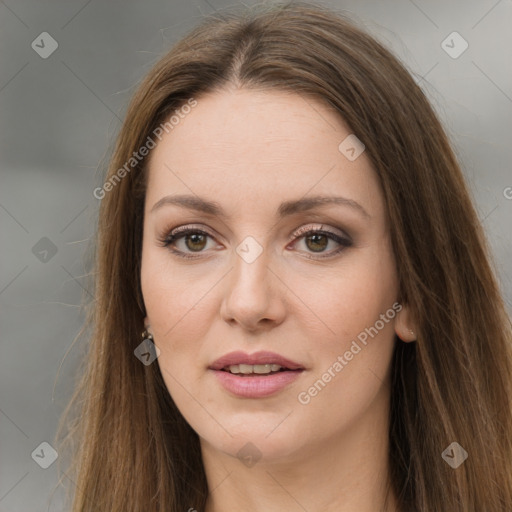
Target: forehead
point(262, 146)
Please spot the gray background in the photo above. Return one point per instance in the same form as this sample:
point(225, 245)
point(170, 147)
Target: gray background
point(59, 117)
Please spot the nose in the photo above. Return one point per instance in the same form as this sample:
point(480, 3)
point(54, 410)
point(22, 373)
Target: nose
point(254, 296)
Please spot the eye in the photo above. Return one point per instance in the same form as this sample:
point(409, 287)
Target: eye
point(194, 240)
point(317, 239)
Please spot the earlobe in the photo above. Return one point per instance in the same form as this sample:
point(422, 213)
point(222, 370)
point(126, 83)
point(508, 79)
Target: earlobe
point(404, 327)
point(146, 334)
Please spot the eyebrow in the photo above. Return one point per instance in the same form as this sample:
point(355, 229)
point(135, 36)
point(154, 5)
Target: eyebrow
point(285, 209)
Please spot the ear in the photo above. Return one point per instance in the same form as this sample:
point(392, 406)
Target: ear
point(146, 323)
point(404, 326)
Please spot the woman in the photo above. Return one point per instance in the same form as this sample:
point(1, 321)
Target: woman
point(285, 223)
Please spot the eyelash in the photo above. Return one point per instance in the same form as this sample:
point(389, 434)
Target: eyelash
point(183, 231)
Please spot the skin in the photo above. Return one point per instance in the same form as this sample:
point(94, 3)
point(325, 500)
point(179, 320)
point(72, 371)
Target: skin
point(250, 150)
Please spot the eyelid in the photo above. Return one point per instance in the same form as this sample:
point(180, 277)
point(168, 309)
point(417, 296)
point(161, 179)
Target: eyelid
point(314, 227)
point(187, 227)
point(171, 236)
point(340, 237)
point(295, 234)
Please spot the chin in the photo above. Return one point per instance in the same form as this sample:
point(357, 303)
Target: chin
point(256, 444)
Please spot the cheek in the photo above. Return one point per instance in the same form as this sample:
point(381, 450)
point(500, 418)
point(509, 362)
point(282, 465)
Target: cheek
point(170, 290)
point(179, 321)
point(178, 317)
point(354, 351)
point(351, 298)
point(352, 365)
point(182, 305)
point(177, 305)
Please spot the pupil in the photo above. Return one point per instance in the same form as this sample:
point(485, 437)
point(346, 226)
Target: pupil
point(194, 238)
point(316, 237)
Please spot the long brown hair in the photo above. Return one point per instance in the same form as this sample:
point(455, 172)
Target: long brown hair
point(132, 448)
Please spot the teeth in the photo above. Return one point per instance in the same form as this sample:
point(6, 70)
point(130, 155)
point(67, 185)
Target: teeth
point(253, 368)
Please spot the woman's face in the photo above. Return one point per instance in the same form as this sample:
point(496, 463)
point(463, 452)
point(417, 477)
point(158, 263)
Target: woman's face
point(252, 278)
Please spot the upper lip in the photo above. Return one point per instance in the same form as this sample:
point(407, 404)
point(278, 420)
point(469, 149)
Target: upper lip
point(263, 357)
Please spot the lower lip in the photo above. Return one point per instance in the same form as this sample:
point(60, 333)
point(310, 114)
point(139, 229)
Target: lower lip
point(256, 386)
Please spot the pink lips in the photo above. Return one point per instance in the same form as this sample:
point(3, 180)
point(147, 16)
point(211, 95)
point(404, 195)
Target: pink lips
point(255, 386)
point(256, 358)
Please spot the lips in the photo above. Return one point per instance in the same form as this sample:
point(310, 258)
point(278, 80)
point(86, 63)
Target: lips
point(263, 357)
point(255, 385)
